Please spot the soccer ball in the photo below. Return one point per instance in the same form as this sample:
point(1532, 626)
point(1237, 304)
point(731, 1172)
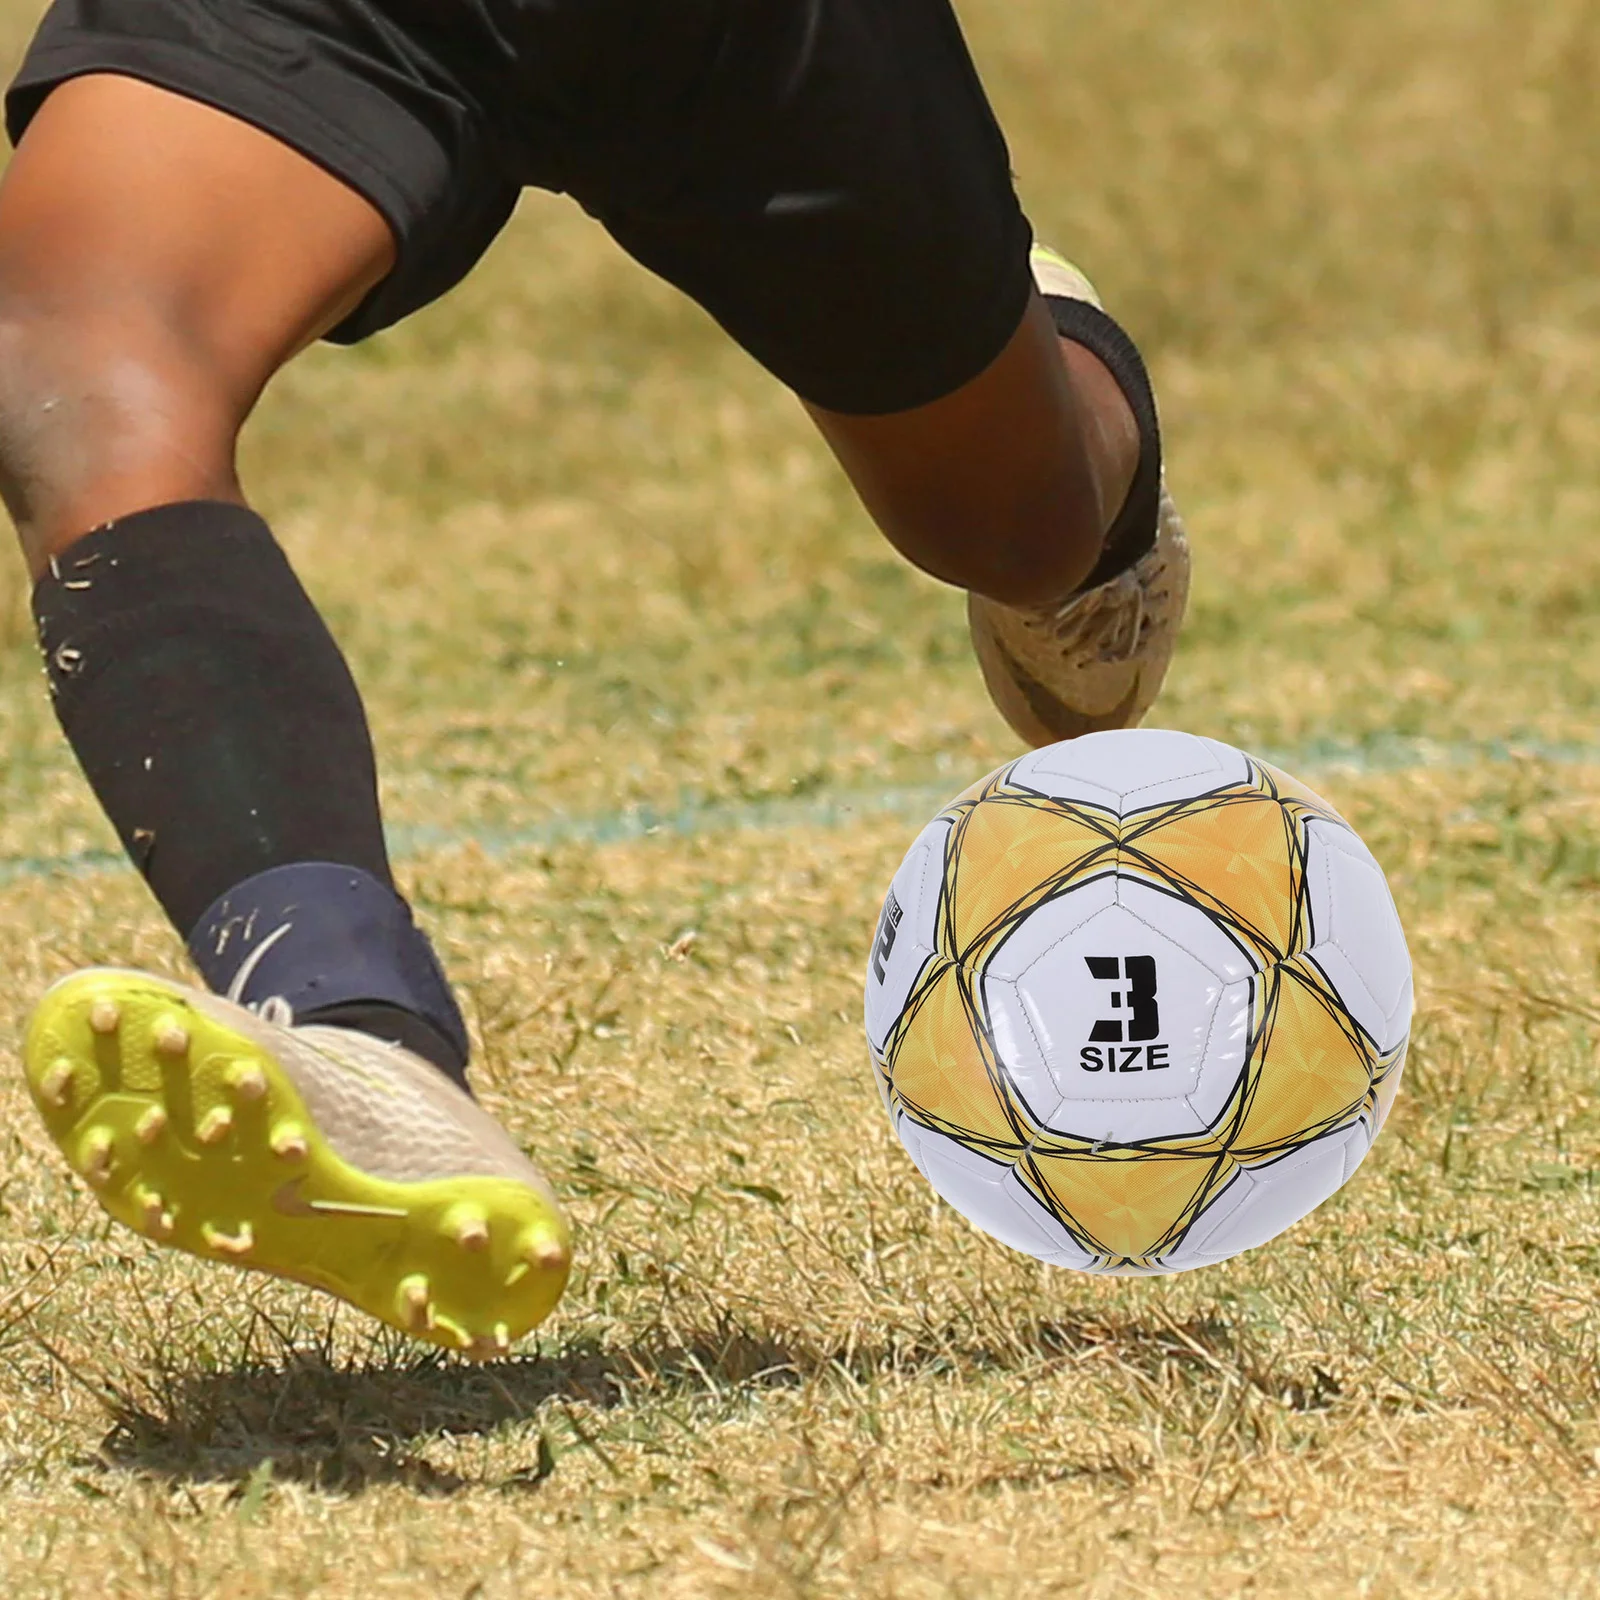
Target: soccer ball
point(1138, 1002)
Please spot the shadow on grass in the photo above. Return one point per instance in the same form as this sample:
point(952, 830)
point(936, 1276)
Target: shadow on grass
point(346, 1426)
point(342, 1427)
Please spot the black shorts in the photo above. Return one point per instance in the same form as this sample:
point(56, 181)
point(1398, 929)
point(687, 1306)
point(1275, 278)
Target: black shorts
point(825, 177)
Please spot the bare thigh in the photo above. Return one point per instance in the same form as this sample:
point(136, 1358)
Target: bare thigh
point(159, 261)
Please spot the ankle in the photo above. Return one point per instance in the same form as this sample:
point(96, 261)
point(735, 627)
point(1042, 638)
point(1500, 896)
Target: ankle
point(1110, 430)
point(337, 946)
point(1096, 348)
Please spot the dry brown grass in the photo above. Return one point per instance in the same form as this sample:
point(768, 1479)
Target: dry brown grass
point(586, 558)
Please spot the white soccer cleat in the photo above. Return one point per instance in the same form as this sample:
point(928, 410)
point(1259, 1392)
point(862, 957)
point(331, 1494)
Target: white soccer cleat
point(315, 1153)
point(1097, 662)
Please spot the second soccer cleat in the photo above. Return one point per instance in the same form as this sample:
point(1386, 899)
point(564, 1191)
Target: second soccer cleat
point(314, 1153)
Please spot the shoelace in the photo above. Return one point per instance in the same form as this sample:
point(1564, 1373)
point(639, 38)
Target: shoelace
point(1112, 613)
point(274, 1008)
point(1108, 617)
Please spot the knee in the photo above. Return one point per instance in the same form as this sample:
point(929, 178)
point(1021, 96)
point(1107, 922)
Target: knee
point(103, 411)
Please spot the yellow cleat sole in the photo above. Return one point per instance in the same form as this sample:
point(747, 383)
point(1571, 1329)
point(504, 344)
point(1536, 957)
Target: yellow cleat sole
point(195, 1136)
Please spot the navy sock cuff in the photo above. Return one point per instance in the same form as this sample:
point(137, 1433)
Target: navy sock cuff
point(1133, 534)
point(327, 939)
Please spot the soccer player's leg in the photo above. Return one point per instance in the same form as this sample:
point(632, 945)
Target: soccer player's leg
point(159, 260)
point(855, 227)
point(1037, 486)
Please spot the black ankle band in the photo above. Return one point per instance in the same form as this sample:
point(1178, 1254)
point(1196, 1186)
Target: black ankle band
point(1133, 533)
point(340, 947)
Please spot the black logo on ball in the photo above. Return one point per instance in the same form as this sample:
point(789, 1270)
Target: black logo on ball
point(888, 927)
point(1127, 1049)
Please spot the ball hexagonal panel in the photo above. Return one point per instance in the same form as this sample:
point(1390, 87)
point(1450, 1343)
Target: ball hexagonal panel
point(1359, 940)
point(1128, 769)
point(990, 1196)
point(1275, 1197)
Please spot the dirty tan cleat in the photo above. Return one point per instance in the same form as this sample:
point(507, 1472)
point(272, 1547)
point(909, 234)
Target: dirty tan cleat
point(1096, 662)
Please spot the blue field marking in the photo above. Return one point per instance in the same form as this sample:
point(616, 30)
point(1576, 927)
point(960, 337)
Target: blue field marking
point(1393, 752)
point(1383, 753)
point(827, 809)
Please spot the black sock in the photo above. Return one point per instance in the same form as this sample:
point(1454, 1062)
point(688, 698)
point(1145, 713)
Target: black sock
point(218, 724)
point(1134, 532)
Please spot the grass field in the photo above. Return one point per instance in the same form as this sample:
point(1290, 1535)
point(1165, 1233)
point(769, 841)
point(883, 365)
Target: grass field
point(589, 564)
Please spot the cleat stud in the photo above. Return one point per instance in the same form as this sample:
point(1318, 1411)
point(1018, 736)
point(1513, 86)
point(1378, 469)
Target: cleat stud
point(105, 1017)
point(450, 1333)
point(288, 1142)
point(545, 1254)
point(214, 1126)
point(247, 1082)
point(468, 1226)
point(170, 1037)
point(158, 1220)
point(230, 1244)
point(56, 1086)
point(415, 1304)
point(151, 1125)
point(96, 1155)
point(491, 1346)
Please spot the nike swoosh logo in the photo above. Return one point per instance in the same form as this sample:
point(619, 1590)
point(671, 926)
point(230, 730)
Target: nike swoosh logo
point(289, 1202)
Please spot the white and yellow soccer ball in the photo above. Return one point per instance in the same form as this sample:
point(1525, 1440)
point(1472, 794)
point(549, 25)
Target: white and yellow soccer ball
point(1138, 1002)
